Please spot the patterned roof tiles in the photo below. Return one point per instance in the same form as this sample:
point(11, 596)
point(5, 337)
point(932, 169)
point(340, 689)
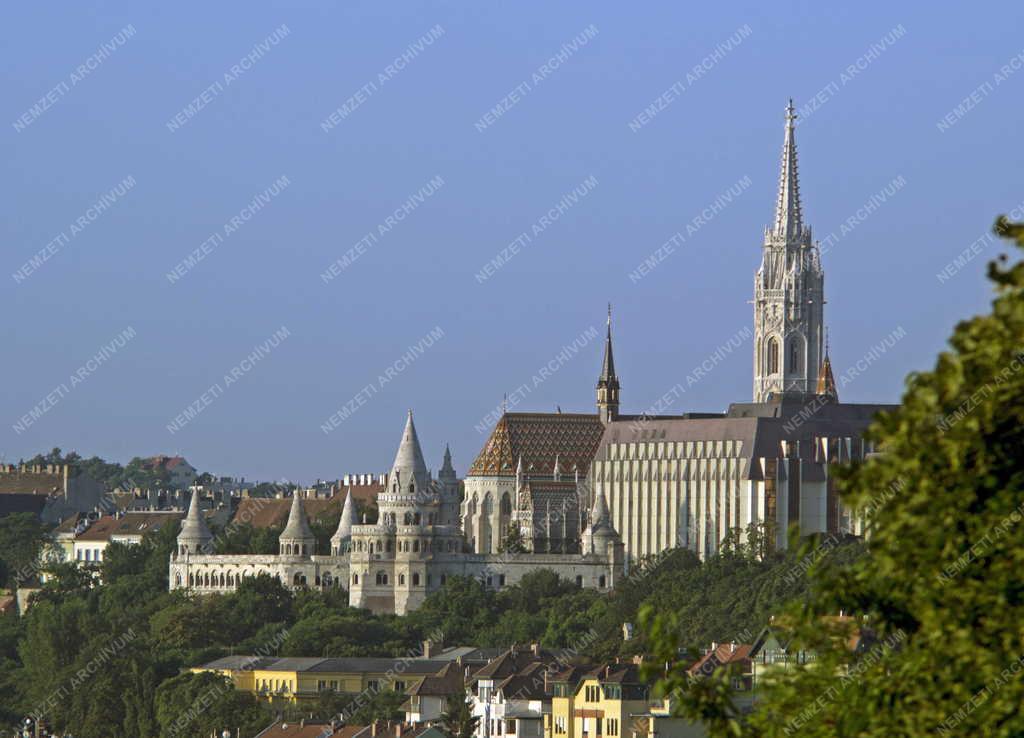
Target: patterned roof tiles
point(539, 438)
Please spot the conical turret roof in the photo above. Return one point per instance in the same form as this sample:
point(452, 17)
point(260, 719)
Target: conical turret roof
point(194, 528)
point(348, 517)
point(297, 528)
point(409, 464)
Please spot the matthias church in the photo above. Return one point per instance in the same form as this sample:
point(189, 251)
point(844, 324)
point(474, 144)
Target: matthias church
point(589, 494)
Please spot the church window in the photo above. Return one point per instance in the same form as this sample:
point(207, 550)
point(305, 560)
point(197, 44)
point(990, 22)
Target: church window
point(355, 579)
point(773, 356)
point(600, 581)
point(407, 519)
point(501, 580)
point(401, 579)
point(416, 546)
point(794, 357)
point(382, 578)
point(412, 489)
point(415, 580)
point(177, 580)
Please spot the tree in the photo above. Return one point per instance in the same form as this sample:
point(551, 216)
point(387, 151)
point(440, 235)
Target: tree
point(513, 541)
point(21, 542)
point(204, 704)
point(458, 720)
point(942, 583)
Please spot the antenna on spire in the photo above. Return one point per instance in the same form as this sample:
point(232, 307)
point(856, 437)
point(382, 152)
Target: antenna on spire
point(609, 313)
point(504, 403)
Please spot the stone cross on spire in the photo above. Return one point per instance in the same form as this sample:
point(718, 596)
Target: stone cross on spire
point(788, 215)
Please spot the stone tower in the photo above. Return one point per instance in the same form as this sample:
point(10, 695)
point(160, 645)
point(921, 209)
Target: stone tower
point(789, 297)
point(194, 537)
point(608, 383)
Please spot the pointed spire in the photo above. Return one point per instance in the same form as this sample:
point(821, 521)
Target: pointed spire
point(519, 472)
point(557, 473)
point(788, 215)
point(409, 466)
point(599, 515)
point(608, 367)
point(297, 528)
point(194, 534)
point(348, 516)
point(826, 381)
point(608, 382)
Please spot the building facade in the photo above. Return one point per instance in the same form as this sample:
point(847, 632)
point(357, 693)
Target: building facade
point(392, 565)
point(688, 480)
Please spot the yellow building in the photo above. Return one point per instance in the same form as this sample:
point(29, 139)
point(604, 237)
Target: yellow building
point(610, 701)
point(294, 679)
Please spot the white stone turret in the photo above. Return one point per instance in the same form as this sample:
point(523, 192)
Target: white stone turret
point(194, 537)
point(600, 533)
point(342, 537)
point(297, 538)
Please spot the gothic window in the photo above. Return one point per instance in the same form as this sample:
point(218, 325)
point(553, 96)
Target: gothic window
point(355, 579)
point(773, 356)
point(382, 578)
point(794, 356)
point(506, 505)
point(412, 489)
point(177, 580)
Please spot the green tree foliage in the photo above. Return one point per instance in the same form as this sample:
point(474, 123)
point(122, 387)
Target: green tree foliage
point(205, 704)
point(513, 541)
point(458, 720)
point(21, 539)
point(943, 578)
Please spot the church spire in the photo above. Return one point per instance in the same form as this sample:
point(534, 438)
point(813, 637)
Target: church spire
point(826, 381)
point(788, 214)
point(608, 383)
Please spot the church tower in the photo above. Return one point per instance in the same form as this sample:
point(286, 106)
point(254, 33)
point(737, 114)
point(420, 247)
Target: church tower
point(789, 296)
point(608, 383)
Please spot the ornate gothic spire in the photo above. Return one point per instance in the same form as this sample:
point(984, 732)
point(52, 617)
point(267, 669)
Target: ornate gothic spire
point(788, 216)
point(608, 367)
point(608, 383)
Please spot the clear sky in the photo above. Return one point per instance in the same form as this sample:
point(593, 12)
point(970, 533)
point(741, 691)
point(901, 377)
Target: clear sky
point(196, 109)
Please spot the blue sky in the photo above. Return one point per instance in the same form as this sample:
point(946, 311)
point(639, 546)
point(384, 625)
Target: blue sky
point(410, 123)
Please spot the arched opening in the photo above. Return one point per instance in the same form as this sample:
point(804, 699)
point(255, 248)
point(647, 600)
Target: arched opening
point(382, 578)
point(177, 580)
point(355, 579)
point(773, 356)
point(401, 579)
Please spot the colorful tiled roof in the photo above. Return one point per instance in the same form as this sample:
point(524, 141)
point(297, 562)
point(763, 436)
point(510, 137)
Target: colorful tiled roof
point(539, 438)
